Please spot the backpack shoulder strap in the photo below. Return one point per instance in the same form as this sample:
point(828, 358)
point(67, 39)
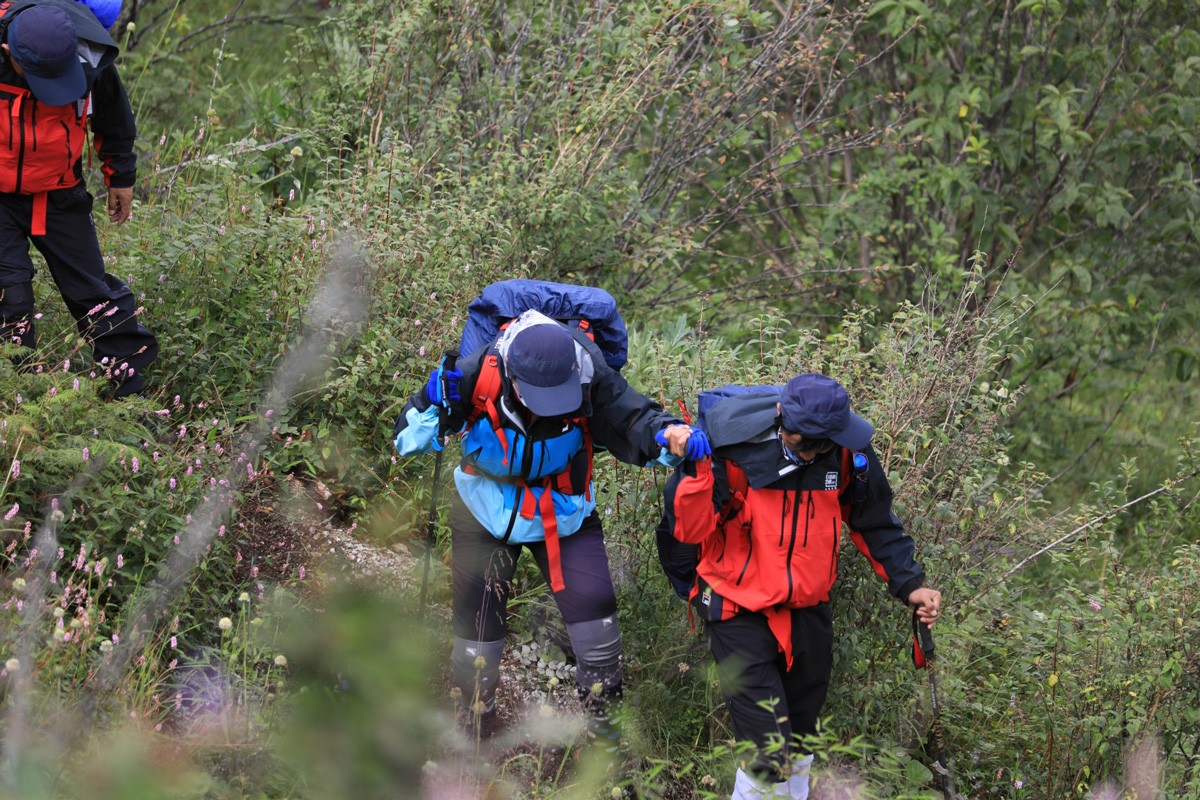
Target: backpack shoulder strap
point(739, 485)
point(487, 388)
point(853, 480)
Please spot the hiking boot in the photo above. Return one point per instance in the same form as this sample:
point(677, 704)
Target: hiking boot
point(480, 727)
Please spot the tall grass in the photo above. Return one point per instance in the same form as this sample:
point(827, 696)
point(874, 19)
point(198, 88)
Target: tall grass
point(303, 279)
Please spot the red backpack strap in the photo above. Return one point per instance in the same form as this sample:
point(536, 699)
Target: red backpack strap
point(484, 397)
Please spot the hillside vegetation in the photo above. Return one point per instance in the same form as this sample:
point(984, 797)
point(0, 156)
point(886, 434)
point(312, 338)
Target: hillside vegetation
point(981, 217)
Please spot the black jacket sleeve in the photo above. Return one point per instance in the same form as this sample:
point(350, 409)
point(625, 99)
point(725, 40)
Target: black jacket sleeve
point(623, 420)
point(113, 128)
point(879, 534)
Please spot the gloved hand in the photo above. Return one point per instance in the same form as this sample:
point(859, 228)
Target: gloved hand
point(697, 447)
point(439, 378)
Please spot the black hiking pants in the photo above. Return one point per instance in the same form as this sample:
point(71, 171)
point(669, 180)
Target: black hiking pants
point(102, 305)
point(769, 704)
point(482, 571)
point(483, 568)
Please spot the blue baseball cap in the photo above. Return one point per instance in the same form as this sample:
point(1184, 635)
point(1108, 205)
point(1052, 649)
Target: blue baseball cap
point(817, 407)
point(43, 41)
point(542, 359)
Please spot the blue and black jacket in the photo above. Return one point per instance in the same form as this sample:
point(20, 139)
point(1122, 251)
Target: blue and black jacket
point(530, 479)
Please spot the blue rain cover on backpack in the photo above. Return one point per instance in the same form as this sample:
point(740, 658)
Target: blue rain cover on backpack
point(505, 300)
point(679, 560)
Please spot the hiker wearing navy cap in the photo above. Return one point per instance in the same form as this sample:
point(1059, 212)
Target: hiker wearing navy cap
point(532, 407)
point(789, 468)
point(57, 81)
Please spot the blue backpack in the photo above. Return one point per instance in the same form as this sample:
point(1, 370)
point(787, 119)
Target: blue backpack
point(679, 560)
point(590, 309)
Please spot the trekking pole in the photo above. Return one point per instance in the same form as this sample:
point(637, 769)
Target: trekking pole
point(924, 636)
point(431, 526)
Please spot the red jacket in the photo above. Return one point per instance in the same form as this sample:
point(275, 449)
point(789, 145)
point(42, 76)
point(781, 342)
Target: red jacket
point(41, 147)
point(770, 533)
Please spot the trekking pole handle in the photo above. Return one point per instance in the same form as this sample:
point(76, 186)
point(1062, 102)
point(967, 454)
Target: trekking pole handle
point(446, 364)
point(923, 635)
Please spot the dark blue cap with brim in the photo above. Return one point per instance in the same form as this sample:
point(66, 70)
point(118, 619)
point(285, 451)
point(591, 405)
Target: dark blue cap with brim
point(43, 41)
point(817, 407)
point(543, 361)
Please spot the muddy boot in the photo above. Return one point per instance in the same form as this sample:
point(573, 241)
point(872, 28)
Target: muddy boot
point(476, 668)
point(476, 725)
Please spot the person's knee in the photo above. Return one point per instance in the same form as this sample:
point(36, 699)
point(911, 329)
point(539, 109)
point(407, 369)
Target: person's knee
point(16, 302)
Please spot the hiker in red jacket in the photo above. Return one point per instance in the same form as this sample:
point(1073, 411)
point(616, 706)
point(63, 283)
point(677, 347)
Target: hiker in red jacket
point(57, 80)
point(767, 511)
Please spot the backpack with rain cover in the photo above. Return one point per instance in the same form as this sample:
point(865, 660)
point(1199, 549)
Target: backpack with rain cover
point(679, 560)
point(592, 310)
point(586, 307)
point(755, 416)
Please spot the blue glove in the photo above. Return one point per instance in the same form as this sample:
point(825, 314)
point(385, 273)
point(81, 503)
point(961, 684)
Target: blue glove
point(447, 378)
point(697, 444)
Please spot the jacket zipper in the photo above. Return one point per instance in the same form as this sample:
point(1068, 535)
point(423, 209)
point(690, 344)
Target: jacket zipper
point(791, 586)
point(749, 553)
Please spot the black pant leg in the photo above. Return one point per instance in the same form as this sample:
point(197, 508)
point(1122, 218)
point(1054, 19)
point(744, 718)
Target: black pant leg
point(104, 308)
point(806, 684)
point(588, 594)
point(482, 568)
point(768, 703)
point(16, 272)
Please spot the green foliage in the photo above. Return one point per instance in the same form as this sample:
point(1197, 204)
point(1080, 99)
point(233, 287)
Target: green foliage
point(766, 193)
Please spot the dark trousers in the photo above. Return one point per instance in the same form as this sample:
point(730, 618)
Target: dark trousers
point(483, 568)
point(104, 308)
point(769, 704)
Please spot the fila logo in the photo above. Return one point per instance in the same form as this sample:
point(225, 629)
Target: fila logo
point(831, 480)
point(706, 598)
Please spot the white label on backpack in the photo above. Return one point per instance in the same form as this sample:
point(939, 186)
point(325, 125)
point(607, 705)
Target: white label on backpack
point(831, 480)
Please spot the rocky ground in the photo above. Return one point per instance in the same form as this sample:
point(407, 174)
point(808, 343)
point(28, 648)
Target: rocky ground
point(291, 533)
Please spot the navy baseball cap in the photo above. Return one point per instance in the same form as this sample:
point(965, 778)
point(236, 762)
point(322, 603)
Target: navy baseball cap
point(43, 41)
point(817, 407)
point(542, 359)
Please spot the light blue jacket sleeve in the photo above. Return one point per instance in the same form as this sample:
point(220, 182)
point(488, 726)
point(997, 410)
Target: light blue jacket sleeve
point(665, 458)
point(419, 433)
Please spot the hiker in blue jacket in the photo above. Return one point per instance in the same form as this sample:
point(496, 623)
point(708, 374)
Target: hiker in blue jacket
point(532, 408)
